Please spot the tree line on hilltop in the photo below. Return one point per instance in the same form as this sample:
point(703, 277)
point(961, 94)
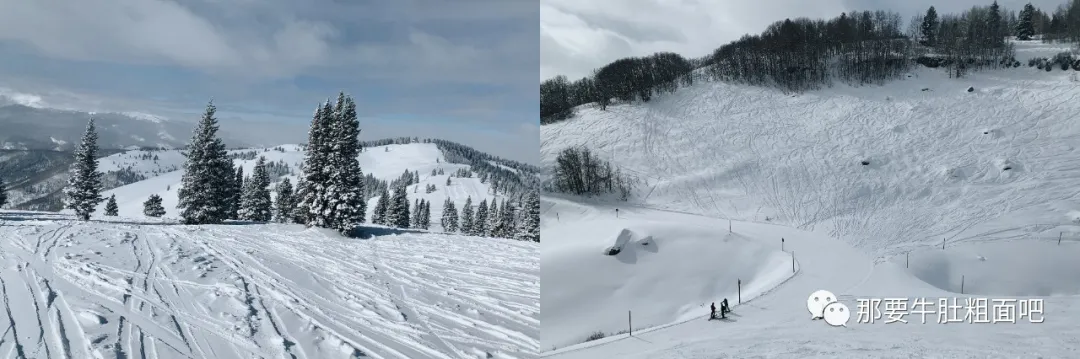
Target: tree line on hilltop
point(858, 48)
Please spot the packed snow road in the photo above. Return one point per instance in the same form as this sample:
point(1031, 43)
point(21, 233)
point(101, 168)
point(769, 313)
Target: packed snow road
point(138, 289)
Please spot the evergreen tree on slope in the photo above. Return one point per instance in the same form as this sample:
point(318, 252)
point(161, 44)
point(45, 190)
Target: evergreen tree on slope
point(1025, 28)
point(398, 214)
point(414, 217)
point(382, 205)
point(493, 219)
point(316, 176)
point(449, 217)
point(480, 223)
point(152, 207)
point(346, 191)
point(83, 191)
point(425, 222)
point(236, 193)
point(111, 209)
point(284, 202)
point(529, 225)
point(205, 186)
point(256, 204)
point(467, 217)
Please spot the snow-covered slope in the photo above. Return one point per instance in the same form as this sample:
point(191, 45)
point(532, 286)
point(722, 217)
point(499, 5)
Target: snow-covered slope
point(384, 162)
point(866, 185)
point(133, 288)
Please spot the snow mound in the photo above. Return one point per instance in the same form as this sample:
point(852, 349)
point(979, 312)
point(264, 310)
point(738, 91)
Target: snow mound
point(665, 272)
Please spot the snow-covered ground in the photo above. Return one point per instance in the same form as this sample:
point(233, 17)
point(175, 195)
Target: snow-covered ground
point(991, 174)
point(135, 288)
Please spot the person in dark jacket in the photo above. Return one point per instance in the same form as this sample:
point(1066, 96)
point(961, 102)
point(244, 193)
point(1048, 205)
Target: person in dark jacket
point(724, 308)
point(713, 313)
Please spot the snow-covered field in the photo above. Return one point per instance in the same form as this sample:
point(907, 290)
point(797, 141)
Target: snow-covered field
point(132, 288)
point(991, 174)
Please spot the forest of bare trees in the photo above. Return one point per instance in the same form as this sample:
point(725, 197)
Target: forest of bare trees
point(857, 48)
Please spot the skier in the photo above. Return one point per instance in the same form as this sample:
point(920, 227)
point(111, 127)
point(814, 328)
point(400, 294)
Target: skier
point(724, 308)
point(712, 315)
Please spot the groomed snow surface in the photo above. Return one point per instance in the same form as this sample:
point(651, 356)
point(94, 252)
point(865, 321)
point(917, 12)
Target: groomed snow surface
point(126, 288)
point(791, 166)
point(138, 287)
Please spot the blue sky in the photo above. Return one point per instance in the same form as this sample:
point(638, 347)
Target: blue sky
point(578, 36)
point(462, 70)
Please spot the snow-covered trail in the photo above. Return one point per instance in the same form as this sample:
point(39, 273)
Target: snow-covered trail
point(777, 324)
point(140, 289)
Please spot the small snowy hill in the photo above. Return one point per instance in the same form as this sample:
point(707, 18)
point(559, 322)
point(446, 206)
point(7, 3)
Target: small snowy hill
point(865, 184)
point(133, 288)
point(384, 162)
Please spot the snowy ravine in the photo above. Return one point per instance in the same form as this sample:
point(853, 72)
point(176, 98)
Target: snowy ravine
point(144, 288)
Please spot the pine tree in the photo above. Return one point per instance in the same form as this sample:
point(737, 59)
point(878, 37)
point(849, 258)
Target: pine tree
point(505, 226)
point(414, 218)
point(398, 213)
point(480, 222)
point(316, 167)
point(529, 225)
point(299, 211)
point(236, 193)
point(83, 191)
point(1025, 27)
point(284, 201)
point(493, 219)
point(152, 207)
point(448, 181)
point(382, 206)
point(426, 222)
point(449, 216)
point(111, 209)
point(3, 193)
point(205, 192)
point(467, 217)
point(346, 191)
point(929, 27)
point(255, 204)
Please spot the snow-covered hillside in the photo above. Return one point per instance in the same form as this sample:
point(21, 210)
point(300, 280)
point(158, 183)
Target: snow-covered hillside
point(864, 184)
point(384, 162)
point(133, 288)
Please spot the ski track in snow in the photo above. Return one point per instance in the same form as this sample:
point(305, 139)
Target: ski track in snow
point(126, 289)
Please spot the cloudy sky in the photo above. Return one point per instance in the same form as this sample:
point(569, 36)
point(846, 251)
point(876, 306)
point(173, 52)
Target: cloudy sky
point(578, 36)
point(462, 70)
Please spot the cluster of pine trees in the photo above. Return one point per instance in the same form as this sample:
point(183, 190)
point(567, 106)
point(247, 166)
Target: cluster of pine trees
point(3, 193)
point(862, 47)
point(520, 221)
point(394, 211)
point(579, 172)
point(506, 177)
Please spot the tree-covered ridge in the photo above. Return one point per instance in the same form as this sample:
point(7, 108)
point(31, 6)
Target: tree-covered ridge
point(857, 48)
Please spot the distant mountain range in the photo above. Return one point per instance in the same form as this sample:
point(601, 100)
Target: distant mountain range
point(30, 128)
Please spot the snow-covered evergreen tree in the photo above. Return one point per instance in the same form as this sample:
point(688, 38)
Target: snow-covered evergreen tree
point(346, 190)
point(317, 167)
point(398, 213)
point(414, 217)
point(448, 181)
point(236, 193)
point(3, 193)
point(284, 202)
point(529, 223)
point(504, 228)
point(382, 206)
point(152, 207)
point(83, 191)
point(256, 204)
point(425, 222)
point(205, 186)
point(449, 216)
point(111, 209)
point(467, 218)
point(492, 219)
point(480, 222)
point(300, 211)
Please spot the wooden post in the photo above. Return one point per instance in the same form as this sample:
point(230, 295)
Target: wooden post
point(630, 321)
point(943, 243)
point(1059, 237)
point(729, 225)
point(740, 291)
point(961, 284)
point(907, 260)
point(781, 244)
point(792, 261)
